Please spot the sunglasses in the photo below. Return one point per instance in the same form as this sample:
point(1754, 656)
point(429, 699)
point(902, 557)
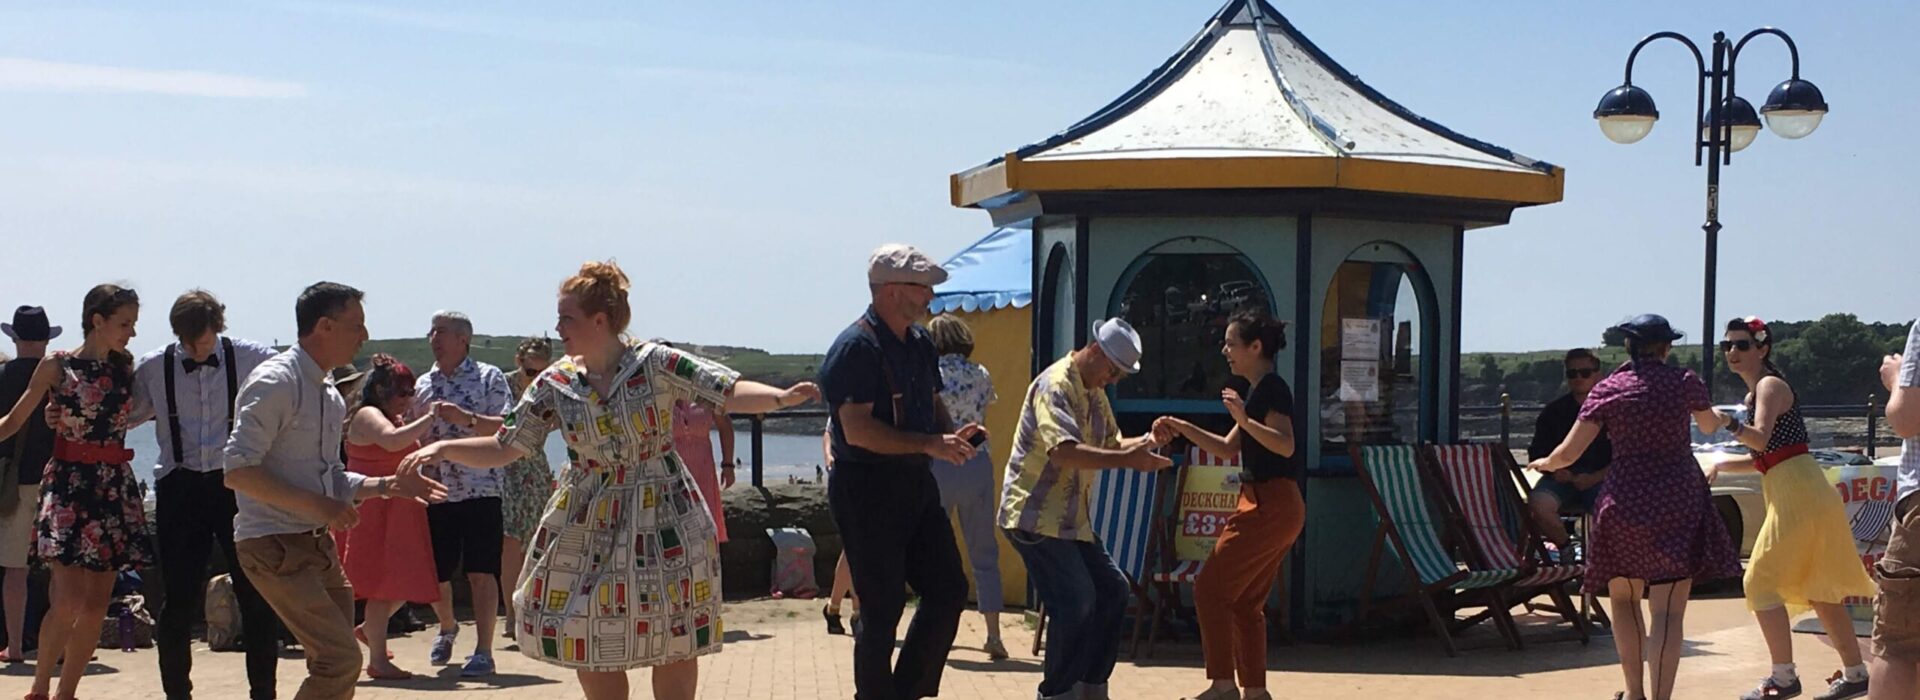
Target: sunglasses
point(1581, 373)
point(1741, 345)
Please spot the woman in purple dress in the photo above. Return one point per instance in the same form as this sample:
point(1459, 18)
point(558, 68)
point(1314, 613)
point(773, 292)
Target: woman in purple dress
point(1654, 527)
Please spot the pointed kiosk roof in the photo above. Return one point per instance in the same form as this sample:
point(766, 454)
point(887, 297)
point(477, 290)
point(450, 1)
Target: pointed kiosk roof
point(1251, 104)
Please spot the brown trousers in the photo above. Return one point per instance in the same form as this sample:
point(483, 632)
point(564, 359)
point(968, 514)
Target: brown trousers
point(1230, 595)
point(300, 576)
point(1896, 612)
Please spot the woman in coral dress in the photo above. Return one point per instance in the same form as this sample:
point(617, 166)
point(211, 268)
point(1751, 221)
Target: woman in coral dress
point(388, 557)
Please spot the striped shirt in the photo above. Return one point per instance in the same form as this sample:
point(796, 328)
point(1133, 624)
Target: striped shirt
point(1042, 497)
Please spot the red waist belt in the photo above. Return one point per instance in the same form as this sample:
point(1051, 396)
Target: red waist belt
point(88, 453)
point(1768, 460)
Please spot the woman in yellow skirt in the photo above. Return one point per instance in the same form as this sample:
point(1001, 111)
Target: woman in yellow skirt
point(1805, 556)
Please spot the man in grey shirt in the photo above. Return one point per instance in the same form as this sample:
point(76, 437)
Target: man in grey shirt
point(283, 462)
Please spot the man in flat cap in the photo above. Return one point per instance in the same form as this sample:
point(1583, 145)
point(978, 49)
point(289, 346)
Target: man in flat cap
point(881, 378)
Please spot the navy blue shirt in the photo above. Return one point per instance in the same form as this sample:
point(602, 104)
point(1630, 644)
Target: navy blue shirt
point(37, 434)
point(853, 373)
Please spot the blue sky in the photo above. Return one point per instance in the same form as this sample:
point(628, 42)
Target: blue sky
point(740, 159)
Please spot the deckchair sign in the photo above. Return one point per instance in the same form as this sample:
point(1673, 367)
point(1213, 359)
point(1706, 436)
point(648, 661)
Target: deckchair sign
point(1868, 491)
point(1210, 494)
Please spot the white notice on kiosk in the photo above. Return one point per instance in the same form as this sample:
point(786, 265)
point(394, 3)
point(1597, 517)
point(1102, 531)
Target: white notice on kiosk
point(1360, 380)
point(1360, 338)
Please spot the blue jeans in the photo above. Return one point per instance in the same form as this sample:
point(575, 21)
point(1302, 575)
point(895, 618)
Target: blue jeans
point(1086, 598)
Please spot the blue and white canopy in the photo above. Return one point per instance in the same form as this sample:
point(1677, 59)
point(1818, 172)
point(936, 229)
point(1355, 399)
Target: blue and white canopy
point(995, 272)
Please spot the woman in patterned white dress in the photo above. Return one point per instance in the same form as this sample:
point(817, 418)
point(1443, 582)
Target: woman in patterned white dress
point(623, 571)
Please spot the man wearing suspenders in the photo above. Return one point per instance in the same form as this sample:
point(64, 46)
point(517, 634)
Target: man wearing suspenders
point(881, 378)
point(188, 389)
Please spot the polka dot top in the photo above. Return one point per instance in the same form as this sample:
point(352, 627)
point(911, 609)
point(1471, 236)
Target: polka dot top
point(1789, 429)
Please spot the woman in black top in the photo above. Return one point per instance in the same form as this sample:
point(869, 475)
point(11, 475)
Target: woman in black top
point(1231, 592)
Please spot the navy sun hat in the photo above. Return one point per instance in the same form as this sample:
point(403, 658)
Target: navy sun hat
point(1650, 328)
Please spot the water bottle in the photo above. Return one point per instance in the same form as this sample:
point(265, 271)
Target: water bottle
point(126, 629)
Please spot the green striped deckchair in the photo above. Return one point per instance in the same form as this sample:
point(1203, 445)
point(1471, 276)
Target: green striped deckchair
point(1409, 520)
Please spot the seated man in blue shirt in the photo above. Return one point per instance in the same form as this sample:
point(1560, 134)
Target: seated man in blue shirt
point(1570, 490)
point(881, 378)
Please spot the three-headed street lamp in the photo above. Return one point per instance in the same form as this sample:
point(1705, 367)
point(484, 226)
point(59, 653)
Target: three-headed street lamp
point(1728, 123)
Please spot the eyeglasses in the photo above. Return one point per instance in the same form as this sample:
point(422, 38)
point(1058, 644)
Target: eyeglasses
point(1741, 345)
point(1581, 373)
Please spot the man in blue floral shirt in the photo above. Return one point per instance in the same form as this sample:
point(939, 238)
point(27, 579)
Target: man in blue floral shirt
point(467, 528)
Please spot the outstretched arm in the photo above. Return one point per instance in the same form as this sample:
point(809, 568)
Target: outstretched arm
point(755, 397)
point(43, 378)
point(483, 452)
point(1208, 441)
point(1570, 449)
point(370, 426)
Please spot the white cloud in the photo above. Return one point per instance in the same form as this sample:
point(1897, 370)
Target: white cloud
point(31, 75)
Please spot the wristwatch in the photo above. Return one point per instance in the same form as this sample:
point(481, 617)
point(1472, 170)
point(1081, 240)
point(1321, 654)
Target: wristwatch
point(386, 487)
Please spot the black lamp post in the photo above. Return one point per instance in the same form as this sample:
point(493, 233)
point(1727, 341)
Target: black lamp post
point(1792, 111)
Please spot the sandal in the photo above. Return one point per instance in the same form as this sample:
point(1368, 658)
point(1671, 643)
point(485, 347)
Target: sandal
point(833, 621)
point(361, 634)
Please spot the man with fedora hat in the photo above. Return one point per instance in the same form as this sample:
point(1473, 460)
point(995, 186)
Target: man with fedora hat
point(25, 456)
point(881, 378)
point(1067, 431)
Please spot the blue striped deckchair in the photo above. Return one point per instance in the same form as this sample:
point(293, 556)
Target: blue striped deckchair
point(1402, 505)
point(1122, 515)
point(1484, 501)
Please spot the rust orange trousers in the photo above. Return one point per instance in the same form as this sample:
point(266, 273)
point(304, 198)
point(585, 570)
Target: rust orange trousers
point(1230, 595)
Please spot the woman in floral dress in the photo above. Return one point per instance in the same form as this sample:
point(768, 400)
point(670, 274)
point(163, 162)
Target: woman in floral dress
point(528, 484)
point(970, 490)
point(91, 523)
point(1655, 530)
point(623, 571)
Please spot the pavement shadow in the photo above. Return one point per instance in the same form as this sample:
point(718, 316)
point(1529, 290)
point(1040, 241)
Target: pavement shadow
point(743, 636)
point(448, 680)
point(1482, 654)
point(1001, 666)
point(25, 670)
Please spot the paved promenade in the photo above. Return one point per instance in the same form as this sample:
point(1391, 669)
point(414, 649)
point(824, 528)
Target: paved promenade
point(778, 650)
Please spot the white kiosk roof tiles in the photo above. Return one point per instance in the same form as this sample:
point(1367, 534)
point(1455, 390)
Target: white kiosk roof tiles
point(1271, 110)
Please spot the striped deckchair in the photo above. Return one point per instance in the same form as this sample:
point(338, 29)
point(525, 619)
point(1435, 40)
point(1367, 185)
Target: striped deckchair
point(1402, 505)
point(1872, 524)
point(1167, 571)
point(1122, 515)
point(1478, 488)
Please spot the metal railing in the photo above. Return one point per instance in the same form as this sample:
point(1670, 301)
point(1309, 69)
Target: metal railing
point(1839, 428)
point(757, 427)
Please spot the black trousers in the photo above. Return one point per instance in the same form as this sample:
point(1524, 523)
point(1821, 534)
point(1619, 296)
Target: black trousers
point(896, 536)
point(194, 512)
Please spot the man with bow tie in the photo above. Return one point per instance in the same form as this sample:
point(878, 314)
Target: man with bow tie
point(188, 389)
